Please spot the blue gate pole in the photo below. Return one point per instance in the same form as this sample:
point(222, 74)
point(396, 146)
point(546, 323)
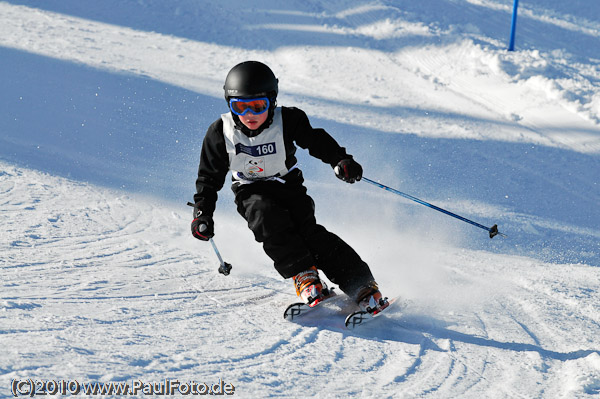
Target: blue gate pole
point(513, 27)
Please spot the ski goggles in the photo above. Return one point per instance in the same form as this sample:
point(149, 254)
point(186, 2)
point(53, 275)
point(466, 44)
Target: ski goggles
point(257, 106)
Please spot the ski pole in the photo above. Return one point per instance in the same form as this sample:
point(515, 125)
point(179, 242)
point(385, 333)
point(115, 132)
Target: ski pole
point(224, 268)
point(492, 230)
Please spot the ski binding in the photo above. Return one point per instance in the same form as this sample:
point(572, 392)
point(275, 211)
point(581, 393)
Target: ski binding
point(360, 317)
point(297, 309)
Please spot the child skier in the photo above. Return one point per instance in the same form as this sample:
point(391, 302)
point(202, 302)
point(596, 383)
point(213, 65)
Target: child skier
point(257, 141)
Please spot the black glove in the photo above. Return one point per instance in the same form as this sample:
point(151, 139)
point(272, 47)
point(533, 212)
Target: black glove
point(203, 227)
point(348, 170)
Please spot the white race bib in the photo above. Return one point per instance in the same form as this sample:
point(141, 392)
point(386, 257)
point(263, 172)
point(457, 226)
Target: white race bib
point(255, 158)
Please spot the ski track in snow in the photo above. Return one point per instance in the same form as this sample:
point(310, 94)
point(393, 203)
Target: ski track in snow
point(105, 284)
point(112, 289)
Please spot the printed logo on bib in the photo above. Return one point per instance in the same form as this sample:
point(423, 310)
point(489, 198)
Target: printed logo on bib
point(254, 168)
point(256, 150)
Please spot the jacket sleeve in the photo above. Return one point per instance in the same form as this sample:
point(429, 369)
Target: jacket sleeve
point(214, 165)
point(319, 143)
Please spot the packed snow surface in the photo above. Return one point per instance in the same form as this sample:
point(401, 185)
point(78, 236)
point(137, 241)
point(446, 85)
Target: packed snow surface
point(103, 108)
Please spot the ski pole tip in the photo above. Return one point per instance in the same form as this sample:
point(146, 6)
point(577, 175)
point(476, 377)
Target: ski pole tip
point(225, 269)
point(494, 231)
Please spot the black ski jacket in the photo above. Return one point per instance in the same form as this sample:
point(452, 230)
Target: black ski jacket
point(214, 160)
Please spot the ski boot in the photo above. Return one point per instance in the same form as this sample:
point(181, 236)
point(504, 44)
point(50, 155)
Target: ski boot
point(310, 288)
point(370, 299)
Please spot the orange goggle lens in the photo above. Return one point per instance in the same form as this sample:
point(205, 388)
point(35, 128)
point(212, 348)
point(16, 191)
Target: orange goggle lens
point(241, 106)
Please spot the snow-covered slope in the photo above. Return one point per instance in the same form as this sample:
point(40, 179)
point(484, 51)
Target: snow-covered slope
point(103, 110)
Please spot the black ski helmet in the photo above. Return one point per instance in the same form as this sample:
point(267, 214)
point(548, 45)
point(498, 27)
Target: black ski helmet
point(249, 79)
point(252, 79)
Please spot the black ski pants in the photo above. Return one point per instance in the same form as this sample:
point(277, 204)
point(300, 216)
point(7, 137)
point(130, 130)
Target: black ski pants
point(282, 218)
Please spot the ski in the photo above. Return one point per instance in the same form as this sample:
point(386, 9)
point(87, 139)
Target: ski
point(298, 309)
point(361, 317)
